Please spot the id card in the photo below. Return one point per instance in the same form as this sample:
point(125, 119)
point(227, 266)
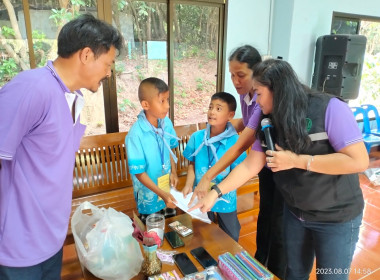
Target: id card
point(163, 182)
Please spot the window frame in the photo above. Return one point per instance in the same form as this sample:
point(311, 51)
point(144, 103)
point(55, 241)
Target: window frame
point(352, 17)
point(104, 9)
point(109, 90)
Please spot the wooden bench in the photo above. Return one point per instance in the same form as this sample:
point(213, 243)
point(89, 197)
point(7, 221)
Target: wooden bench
point(101, 174)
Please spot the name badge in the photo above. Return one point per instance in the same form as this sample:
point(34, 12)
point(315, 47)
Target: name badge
point(163, 183)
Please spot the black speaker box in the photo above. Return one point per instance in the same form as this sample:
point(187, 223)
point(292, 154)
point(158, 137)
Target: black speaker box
point(338, 64)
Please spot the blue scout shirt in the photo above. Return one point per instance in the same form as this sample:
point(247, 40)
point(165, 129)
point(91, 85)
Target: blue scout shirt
point(205, 159)
point(146, 152)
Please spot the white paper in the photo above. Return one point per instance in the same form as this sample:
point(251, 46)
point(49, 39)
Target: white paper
point(182, 203)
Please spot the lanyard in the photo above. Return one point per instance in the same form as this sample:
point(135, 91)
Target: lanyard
point(208, 155)
point(161, 149)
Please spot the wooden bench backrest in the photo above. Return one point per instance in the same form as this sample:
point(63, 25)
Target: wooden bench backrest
point(183, 132)
point(101, 164)
point(101, 174)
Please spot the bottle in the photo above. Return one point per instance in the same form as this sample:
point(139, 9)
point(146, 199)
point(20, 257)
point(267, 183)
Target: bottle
point(156, 222)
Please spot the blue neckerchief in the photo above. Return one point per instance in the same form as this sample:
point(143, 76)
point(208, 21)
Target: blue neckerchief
point(230, 130)
point(161, 132)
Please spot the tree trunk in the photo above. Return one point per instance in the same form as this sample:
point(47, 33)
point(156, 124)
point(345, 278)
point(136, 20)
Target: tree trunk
point(54, 47)
point(161, 20)
point(13, 54)
point(136, 21)
point(177, 32)
point(12, 16)
point(63, 3)
point(149, 23)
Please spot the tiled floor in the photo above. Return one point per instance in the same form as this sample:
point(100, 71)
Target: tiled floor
point(366, 262)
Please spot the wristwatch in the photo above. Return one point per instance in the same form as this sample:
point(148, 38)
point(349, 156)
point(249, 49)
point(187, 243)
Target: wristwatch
point(218, 191)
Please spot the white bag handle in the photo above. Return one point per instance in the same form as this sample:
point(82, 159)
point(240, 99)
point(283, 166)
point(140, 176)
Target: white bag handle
point(77, 220)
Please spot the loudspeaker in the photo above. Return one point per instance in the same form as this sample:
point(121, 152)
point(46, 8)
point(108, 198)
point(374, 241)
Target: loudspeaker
point(338, 64)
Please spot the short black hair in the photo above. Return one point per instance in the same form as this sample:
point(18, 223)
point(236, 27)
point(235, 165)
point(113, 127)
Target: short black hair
point(226, 97)
point(159, 84)
point(88, 31)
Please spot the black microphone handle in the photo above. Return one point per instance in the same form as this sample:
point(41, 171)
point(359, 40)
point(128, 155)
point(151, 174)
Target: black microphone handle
point(268, 139)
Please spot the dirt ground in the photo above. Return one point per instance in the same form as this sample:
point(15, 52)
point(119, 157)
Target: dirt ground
point(194, 83)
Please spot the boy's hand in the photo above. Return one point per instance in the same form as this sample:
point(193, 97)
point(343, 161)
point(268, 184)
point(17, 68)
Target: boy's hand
point(186, 190)
point(169, 200)
point(200, 190)
point(173, 180)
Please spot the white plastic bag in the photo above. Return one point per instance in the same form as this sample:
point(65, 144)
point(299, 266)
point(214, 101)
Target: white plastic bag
point(104, 242)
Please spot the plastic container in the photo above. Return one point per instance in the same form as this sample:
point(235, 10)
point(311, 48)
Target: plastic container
point(156, 222)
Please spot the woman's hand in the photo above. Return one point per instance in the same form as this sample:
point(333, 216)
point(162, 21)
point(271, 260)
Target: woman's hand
point(206, 203)
point(201, 189)
point(281, 159)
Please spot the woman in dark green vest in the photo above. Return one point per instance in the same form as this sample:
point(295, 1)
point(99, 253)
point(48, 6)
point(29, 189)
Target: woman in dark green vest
point(319, 151)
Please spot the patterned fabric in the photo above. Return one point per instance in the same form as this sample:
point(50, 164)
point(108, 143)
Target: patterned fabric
point(147, 152)
point(205, 158)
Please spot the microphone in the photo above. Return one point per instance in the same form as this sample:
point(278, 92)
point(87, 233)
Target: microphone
point(266, 125)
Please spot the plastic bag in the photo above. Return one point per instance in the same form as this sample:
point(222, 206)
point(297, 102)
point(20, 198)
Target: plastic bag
point(104, 242)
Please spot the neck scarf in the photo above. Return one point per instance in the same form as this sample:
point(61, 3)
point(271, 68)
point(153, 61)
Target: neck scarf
point(230, 130)
point(161, 132)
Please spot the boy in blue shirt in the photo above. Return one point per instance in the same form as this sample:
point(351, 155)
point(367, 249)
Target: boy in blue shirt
point(204, 148)
point(150, 158)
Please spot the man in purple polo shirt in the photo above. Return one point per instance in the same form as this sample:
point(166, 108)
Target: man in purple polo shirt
point(40, 132)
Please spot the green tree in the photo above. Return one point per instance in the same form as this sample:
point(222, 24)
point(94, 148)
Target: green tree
point(370, 82)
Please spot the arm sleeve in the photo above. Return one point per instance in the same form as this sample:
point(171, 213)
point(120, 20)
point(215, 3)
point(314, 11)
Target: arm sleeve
point(20, 112)
point(341, 126)
point(255, 117)
point(135, 153)
point(257, 146)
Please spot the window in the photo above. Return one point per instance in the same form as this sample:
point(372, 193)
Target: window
point(189, 62)
point(37, 27)
point(343, 25)
point(144, 27)
point(180, 42)
point(368, 26)
point(196, 38)
point(14, 55)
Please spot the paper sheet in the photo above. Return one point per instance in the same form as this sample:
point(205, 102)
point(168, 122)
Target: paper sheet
point(183, 202)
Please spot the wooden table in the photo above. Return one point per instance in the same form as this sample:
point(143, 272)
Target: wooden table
point(210, 236)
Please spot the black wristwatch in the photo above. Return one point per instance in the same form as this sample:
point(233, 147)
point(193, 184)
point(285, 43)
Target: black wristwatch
point(218, 191)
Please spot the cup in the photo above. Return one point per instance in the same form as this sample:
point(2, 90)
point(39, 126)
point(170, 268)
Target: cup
point(156, 222)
